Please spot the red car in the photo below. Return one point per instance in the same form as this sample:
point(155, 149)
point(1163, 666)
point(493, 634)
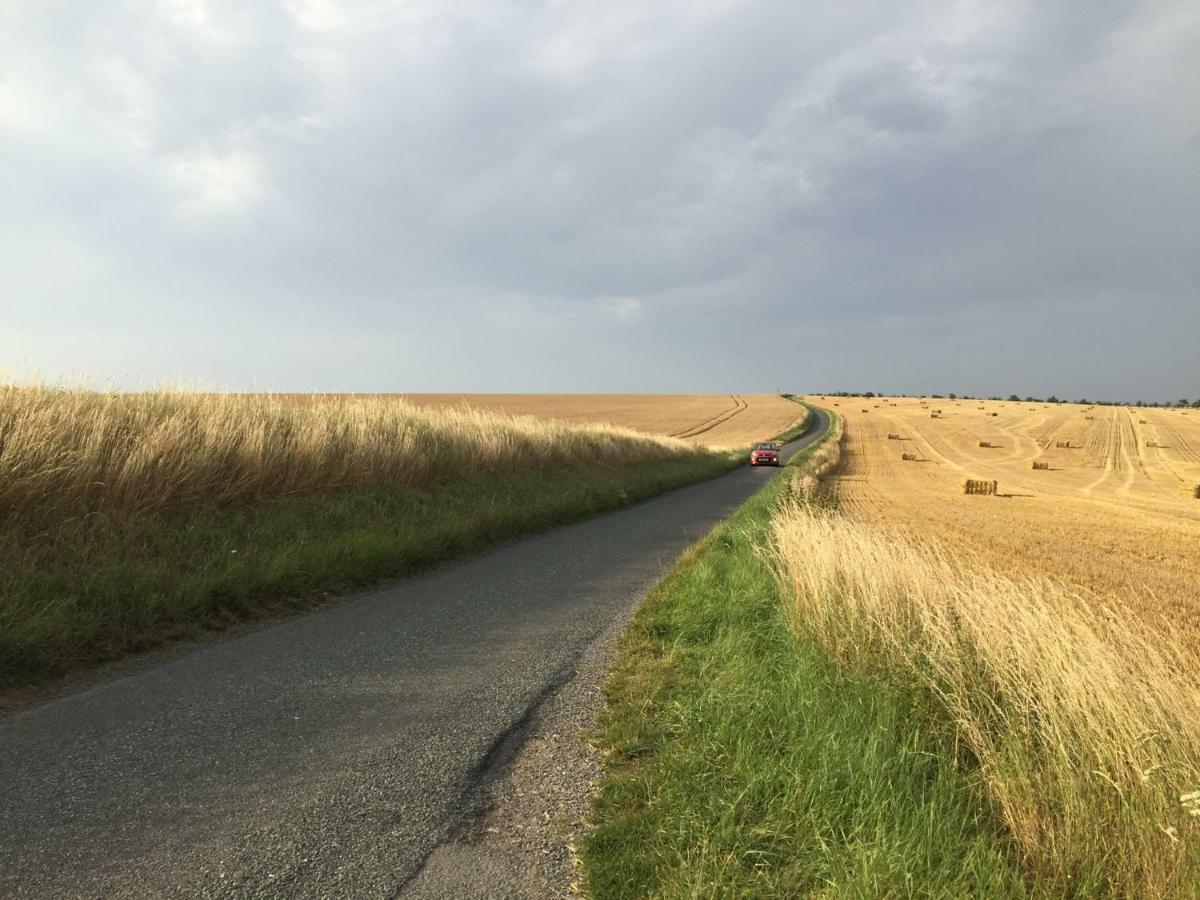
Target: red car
point(764, 454)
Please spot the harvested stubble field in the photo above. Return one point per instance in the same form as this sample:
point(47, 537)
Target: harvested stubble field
point(1109, 514)
point(714, 420)
point(1048, 631)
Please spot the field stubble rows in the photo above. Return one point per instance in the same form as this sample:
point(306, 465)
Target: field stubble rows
point(1051, 626)
point(1108, 514)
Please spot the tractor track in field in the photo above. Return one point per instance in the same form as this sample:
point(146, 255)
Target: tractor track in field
point(739, 405)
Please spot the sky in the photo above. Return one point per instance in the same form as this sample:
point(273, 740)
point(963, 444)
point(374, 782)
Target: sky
point(692, 196)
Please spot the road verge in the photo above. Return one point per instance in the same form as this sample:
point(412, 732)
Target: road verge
point(741, 761)
point(181, 573)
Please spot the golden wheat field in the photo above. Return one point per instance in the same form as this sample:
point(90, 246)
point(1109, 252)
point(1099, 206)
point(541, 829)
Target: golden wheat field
point(715, 420)
point(67, 452)
point(1112, 511)
point(1052, 622)
point(1084, 725)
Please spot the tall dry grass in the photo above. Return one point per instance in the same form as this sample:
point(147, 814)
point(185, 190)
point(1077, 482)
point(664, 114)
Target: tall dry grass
point(1084, 724)
point(71, 452)
point(822, 464)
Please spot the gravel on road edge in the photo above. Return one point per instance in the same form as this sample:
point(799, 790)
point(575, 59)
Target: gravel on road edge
point(532, 799)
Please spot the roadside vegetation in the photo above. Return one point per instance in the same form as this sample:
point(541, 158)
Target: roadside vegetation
point(811, 705)
point(132, 519)
point(1082, 726)
point(742, 761)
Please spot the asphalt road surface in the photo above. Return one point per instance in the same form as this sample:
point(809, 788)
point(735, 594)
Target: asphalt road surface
point(326, 755)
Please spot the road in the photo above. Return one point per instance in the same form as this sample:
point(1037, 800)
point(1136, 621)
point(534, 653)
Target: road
point(327, 754)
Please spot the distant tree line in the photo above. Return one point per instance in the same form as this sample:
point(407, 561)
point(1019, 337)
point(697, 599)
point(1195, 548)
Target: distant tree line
point(1182, 403)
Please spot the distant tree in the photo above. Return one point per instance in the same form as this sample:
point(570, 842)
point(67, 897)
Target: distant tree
point(1196, 404)
point(1140, 403)
point(1053, 399)
point(1013, 398)
point(952, 395)
point(1184, 403)
point(869, 394)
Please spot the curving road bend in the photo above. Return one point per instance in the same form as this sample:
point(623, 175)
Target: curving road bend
point(330, 753)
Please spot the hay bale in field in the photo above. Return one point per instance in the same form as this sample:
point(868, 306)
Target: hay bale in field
point(993, 414)
point(893, 436)
point(1040, 465)
point(1141, 421)
point(934, 416)
point(1089, 418)
point(1063, 445)
point(975, 486)
point(985, 443)
point(866, 410)
point(908, 457)
point(1196, 492)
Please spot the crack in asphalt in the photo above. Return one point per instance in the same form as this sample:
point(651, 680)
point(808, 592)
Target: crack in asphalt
point(473, 801)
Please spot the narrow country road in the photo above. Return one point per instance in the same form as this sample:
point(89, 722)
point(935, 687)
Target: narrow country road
point(328, 754)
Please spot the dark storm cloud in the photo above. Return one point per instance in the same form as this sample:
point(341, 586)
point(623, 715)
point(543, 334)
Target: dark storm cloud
point(675, 196)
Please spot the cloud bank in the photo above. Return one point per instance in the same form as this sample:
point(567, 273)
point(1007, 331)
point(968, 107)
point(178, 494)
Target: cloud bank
point(673, 196)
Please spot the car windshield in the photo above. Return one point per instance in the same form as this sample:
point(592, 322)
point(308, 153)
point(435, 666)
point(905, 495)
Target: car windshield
point(764, 446)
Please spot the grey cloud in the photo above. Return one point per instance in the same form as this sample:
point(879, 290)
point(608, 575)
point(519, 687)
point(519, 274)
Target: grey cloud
point(609, 197)
point(891, 97)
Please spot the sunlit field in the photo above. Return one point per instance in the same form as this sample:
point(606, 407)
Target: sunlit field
point(715, 420)
point(133, 518)
point(1051, 625)
point(72, 452)
point(1113, 513)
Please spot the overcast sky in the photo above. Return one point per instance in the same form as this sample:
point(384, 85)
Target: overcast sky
point(612, 196)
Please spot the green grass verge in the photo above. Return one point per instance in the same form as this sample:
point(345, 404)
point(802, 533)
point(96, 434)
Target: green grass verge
point(97, 590)
point(742, 763)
